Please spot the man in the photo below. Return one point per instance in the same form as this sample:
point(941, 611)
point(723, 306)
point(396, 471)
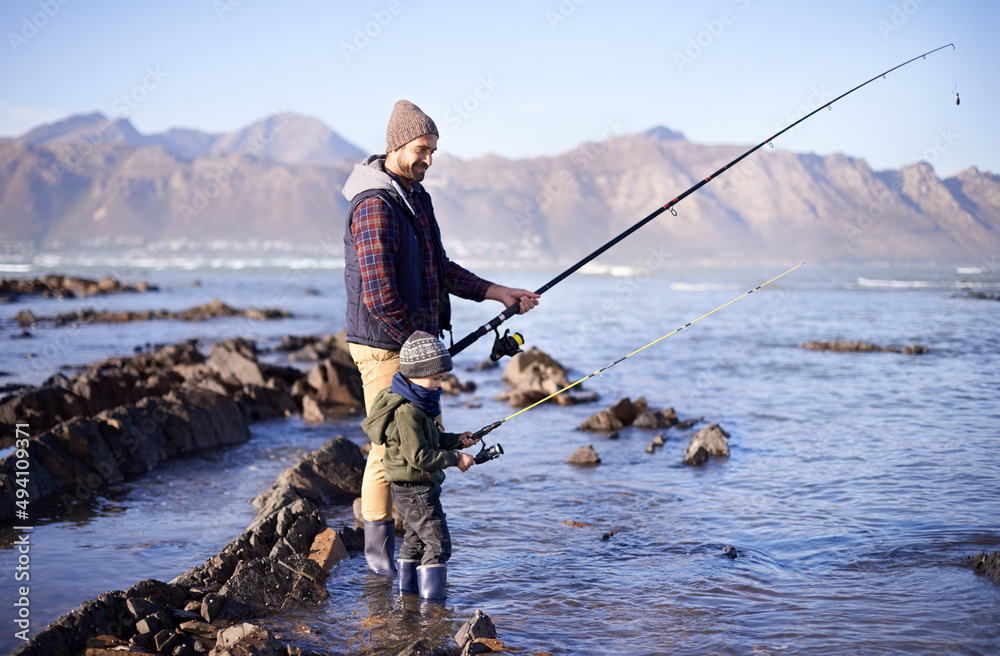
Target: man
point(398, 281)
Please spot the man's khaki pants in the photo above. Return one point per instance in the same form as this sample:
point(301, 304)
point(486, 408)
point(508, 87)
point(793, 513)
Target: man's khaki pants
point(377, 367)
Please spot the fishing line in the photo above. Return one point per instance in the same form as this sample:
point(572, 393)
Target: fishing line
point(483, 431)
point(504, 346)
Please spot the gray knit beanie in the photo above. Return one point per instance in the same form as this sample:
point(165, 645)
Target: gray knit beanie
point(423, 355)
point(406, 124)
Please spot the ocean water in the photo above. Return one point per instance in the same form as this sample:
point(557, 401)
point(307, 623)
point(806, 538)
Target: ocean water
point(856, 486)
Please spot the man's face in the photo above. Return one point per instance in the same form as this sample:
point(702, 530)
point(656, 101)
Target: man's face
point(412, 160)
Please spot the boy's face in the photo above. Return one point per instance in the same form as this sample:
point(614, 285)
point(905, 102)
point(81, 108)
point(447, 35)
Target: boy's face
point(432, 383)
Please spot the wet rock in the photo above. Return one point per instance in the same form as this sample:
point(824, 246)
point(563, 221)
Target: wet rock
point(59, 286)
point(327, 549)
point(986, 564)
point(142, 608)
point(729, 551)
point(311, 412)
point(248, 640)
point(480, 626)
point(452, 386)
point(235, 360)
point(535, 375)
point(211, 604)
point(259, 587)
point(621, 414)
point(104, 385)
point(657, 442)
point(330, 474)
point(656, 419)
point(196, 627)
point(585, 455)
point(309, 348)
point(336, 381)
point(69, 634)
point(688, 423)
point(167, 641)
point(478, 635)
point(710, 440)
point(424, 647)
point(857, 346)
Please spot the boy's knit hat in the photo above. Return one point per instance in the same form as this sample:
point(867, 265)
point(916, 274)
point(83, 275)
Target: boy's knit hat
point(406, 124)
point(423, 355)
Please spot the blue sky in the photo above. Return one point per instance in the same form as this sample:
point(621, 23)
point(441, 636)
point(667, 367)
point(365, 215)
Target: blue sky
point(523, 79)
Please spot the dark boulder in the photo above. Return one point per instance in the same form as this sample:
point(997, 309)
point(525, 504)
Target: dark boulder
point(330, 474)
point(618, 416)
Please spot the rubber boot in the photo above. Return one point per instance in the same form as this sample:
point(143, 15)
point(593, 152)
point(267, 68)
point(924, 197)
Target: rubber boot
point(407, 576)
point(380, 547)
point(431, 581)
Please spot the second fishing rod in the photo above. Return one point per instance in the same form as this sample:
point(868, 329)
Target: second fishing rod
point(510, 344)
point(488, 453)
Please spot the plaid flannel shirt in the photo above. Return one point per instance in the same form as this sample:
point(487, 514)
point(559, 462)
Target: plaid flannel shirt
point(376, 238)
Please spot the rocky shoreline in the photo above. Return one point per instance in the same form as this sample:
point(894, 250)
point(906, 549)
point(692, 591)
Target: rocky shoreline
point(59, 286)
point(124, 415)
point(211, 310)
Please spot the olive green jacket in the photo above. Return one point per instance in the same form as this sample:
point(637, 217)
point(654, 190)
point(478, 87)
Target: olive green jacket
point(416, 450)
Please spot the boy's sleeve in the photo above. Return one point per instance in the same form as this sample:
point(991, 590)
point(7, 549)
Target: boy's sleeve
point(450, 440)
point(415, 449)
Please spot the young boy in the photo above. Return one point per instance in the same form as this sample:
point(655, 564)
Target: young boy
point(416, 453)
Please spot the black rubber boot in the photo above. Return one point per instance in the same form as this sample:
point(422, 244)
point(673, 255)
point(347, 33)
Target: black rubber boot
point(408, 576)
point(380, 547)
point(431, 580)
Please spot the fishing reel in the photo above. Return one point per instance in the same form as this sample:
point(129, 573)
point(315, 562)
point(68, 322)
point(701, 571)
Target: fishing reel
point(487, 453)
point(506, 345)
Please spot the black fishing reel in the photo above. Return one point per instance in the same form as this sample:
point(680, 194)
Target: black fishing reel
point(488, 453)
point(506, 345)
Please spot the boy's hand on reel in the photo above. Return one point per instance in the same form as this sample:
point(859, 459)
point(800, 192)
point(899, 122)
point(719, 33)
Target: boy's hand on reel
point(465, 461)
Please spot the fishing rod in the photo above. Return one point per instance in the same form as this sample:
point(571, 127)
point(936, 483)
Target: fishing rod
point(509, 344)
point(489, 453)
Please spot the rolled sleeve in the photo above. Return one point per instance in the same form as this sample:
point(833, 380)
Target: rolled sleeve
point(464, 283)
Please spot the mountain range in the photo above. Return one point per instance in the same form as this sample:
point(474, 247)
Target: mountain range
point(90, 176)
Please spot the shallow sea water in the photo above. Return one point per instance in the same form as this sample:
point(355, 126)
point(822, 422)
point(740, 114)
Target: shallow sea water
point(856, 486)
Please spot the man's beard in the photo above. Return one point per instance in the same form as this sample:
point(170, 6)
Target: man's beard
point(414, 171)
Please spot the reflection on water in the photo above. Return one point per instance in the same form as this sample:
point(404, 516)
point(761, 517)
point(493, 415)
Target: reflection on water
point(857, 483)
